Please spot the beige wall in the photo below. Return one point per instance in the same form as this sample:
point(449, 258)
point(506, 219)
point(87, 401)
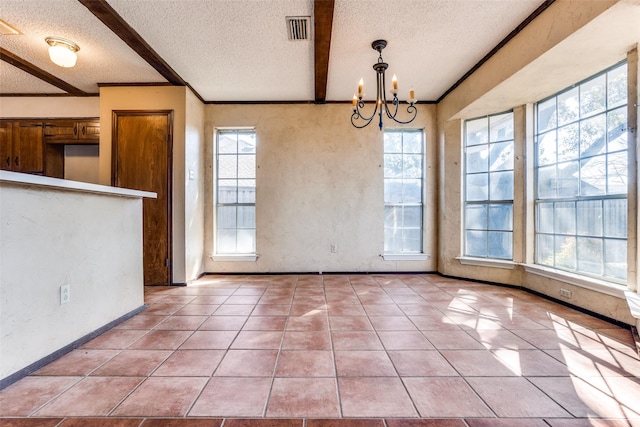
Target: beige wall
point(50, 107)
point(52, 237)
point(152, 98)
point(319, 182)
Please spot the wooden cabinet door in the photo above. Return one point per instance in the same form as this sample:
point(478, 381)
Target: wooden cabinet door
point(89, 131)
point(61, 130)
point(28, 147)
point(6, 145)
point(142, 161)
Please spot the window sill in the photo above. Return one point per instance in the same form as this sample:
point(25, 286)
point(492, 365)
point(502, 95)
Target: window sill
point(406, 257)
point(487, 262)
point(593, 284)
point(235, 258)
point(633, 300)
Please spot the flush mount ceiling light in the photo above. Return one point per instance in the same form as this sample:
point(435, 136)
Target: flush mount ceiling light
point(62, 51)
point(360, 121)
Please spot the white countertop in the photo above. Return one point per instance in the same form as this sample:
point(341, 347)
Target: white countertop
point(65, 184)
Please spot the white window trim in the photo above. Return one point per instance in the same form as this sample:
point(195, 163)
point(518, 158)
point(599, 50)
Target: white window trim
point(633, 300)
point(593, 284)
point(487, 262)
point(406, 257)
point(235, 258)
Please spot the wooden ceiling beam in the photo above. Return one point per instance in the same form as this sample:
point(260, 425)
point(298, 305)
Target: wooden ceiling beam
point(39, 73)
point(109, 17)
point(322, 25)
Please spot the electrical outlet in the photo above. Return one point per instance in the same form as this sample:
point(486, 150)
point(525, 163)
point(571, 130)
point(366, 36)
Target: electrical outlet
point(334, 248)
point(65, 294)
point(565, 293)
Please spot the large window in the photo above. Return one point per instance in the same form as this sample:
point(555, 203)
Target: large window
point(403, 180)
point(235, 192)
point(581, 177)
point(488, 208)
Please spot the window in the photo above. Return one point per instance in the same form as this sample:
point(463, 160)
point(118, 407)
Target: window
point(488, 207)
point(235, 192)
point(581, 177)
point(403, 178)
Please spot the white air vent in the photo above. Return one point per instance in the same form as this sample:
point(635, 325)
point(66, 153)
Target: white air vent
point(299, 27)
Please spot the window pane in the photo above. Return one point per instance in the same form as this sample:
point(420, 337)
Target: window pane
point(547, 148)
point(545, 249)
point(227, 143)
point(565, 252)
point(546, 118)
point(590, 218)
point(246, 241)
point(226, 217)
point(227, 191)
point(412, 191)
point(246, 167)
point(565, 218)
point(615, 258)
point(227, 166)
point(393, 165)
point(246, 143)
point(544, 218)
point(476, 243)
point(568, 179)
point(501, 185)
point(392, 190)
point(412, 142)
point(412, 240)
point(477, 131)
point(246, 191)
point(617, 130)
point(392, 216)
point(615, 218)
point(393, 240)
point(500, 244)
point(477, 187)
point(617, 173)
point(593, 95)
point(547, 182)
point(412, 165)
point(568, 107)
point(246, 217)
point(501, 217)
point(569, 142)
point(592, 135)
point(501, 127)
point(617, 86)
point(590, 256)
point(393, 142)
point(477, 159)
point(476, 217)
point(412, 216)
point(501, 157)
point(226, 241)
point(594, 173)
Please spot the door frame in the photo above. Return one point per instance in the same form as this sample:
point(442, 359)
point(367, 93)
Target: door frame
point(114, 169)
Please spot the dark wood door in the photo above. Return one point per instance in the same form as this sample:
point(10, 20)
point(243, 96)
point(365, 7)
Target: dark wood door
point(28, 147)
point(6, 145)
point(142, 147)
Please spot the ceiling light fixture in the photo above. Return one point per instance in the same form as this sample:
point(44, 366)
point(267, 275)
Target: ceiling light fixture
point(381, 96)
point(62, 51)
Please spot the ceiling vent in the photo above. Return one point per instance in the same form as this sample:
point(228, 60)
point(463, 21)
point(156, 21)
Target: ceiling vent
point(299, 27)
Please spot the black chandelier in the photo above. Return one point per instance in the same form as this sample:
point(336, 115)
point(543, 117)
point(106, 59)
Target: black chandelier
point(358, 119)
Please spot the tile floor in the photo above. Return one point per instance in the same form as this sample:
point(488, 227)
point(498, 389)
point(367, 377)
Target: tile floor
point(340, 350)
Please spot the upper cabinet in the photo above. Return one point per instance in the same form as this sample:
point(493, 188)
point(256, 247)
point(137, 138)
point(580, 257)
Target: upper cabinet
point(72, 131)
point(21, 146)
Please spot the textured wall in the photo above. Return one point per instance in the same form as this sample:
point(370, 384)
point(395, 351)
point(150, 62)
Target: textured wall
point(319, 182)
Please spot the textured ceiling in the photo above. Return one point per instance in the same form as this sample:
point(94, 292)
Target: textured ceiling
point(237, 50)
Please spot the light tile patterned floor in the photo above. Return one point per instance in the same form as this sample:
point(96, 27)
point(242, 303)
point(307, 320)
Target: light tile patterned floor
point(340, 350)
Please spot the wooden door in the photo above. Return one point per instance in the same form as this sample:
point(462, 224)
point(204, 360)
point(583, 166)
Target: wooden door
point(6, 145)
point(142, 149)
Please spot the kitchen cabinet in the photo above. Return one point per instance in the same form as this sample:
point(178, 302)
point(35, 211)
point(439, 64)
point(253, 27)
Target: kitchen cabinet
point(22, 146)
point(72, 131)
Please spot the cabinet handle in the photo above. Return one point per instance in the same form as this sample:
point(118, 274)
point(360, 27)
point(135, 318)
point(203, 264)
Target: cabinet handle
point(75, 130)
point(8, 160)
point(84, 129)
point(17, 161)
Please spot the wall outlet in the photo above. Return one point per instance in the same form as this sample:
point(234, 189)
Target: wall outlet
point(65, 294)
point(565, 293)
point(334, 248)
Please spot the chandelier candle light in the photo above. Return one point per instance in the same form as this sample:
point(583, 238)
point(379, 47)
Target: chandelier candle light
point(358, 120)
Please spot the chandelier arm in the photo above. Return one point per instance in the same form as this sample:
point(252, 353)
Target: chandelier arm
point(411, 109)
point(359, 115)
point(355, 116)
